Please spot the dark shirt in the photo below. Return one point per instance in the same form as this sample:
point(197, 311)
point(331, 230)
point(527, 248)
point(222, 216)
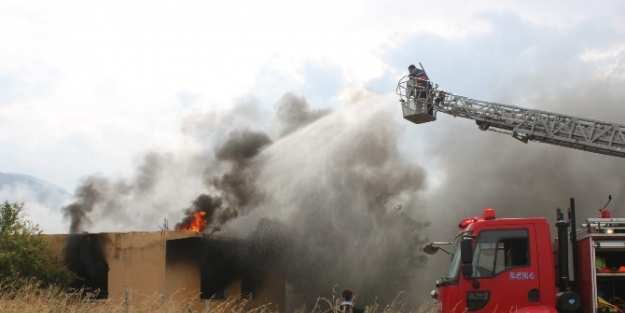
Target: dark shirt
point(416, 73)
point(348, 307)
point(421, 78)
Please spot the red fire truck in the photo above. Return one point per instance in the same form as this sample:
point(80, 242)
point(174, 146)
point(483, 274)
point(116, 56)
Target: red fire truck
point(510, 264)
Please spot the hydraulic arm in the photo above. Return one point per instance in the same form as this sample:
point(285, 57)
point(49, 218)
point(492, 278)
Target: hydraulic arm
point(423, 103)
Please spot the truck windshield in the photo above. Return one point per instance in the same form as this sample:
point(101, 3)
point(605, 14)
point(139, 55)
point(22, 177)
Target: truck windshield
point(452, 267)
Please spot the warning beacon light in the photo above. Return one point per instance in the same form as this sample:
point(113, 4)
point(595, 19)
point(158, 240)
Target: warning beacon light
point(489, 214)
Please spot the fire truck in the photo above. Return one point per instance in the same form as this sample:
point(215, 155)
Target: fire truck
point(510, 264)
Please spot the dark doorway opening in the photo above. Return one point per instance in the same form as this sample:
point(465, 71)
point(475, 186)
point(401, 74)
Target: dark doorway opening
point(84, 255)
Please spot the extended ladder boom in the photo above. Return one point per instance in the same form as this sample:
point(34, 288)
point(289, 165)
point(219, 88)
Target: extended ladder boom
point(523, 124)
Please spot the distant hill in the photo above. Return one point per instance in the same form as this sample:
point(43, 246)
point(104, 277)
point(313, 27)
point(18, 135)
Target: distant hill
point(24, 188)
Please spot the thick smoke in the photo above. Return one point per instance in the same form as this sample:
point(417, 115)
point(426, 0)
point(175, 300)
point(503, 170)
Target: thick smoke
point(530, 179)
point(330, 217)
point(88, 195)
point(238, 184)
point(236, 187)
point(319, 200)
point(486, 169)
point(200, 214)
point(319, 203)
point(294, 112)
point(104, 198)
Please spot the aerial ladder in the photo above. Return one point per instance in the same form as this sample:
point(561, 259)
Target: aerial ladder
point(426, 100)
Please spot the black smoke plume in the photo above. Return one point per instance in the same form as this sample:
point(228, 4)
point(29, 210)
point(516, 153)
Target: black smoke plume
point(104, 198)
point(325, 201)
point(235, 188)
point(88, 195)
point(206, 205)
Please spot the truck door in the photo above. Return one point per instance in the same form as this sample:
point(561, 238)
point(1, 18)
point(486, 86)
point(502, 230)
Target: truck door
point(505, 273)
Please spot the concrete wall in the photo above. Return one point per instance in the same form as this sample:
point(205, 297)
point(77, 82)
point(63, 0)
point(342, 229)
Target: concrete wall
point(141, 268)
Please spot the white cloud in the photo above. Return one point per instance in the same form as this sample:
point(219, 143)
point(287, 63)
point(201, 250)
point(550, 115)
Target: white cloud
point(86, 87)
point(599, 55)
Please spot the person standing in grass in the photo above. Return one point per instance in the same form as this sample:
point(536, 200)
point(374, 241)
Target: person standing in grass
point(347, 303)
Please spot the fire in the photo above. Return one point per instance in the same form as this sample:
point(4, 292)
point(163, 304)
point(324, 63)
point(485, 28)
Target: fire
point(197, 224)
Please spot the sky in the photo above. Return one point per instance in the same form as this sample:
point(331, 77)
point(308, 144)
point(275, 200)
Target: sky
point(86, 88)
point(105, 92)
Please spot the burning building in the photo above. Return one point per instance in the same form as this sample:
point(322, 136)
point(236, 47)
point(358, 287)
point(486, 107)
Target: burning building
point(320, 196)
point(196, 268)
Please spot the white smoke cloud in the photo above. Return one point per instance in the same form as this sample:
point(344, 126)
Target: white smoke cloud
point(42, 211)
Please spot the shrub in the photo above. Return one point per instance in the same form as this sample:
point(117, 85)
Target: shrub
point(24, 255)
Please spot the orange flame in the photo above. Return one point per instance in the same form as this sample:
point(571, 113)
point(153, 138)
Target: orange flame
point(197, 224)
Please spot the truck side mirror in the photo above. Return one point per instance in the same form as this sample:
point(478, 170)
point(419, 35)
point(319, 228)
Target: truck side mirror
point(466, 251)
point(466, 257)
point(430, 249)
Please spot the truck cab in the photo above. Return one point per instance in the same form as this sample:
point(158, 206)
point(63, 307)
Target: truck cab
point(499, 265)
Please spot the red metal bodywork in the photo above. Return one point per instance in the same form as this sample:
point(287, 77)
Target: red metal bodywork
point(508, 294)
point(594, 279)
